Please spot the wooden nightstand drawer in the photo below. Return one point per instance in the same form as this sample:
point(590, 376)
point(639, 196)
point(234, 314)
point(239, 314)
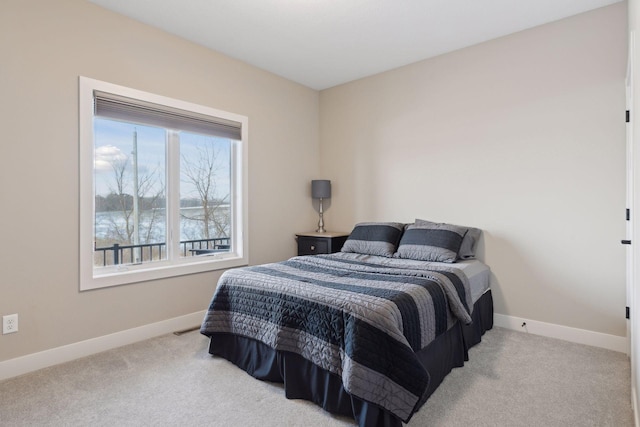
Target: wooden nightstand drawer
point(313, 243)
point(312, 246)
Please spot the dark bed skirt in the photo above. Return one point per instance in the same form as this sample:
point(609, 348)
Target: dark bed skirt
point(304, 380)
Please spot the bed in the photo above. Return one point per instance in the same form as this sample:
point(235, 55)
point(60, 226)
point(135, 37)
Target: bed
point(369, 332)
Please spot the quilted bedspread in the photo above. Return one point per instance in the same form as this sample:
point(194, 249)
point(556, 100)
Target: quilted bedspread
point(359, 319)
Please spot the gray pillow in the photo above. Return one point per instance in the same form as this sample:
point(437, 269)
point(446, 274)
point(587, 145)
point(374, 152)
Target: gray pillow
point(374, 238)
point(469, 242)
point(434, 242)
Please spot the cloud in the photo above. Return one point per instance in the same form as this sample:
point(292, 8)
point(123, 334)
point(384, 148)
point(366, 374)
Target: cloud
point(105, 155)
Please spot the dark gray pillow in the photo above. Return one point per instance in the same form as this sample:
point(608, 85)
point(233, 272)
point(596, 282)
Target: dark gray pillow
point(435, 242)
point(469, 242)
point(374, 238)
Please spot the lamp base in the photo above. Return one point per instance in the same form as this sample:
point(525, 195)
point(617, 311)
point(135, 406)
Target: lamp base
point(321, 221)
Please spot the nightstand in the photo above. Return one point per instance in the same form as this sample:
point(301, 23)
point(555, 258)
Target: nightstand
point(314, 243)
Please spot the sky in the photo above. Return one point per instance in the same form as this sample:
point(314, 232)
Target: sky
point(114, 143)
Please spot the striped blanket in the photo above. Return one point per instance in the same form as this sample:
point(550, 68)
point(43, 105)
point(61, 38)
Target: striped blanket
point(361, 320)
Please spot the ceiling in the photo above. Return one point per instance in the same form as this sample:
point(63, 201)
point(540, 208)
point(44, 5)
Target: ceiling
point(324, 43)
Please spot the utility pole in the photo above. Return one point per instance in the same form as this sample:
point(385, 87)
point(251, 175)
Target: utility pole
point(136, 209)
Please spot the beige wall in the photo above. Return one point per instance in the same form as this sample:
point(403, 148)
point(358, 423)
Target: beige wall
point(44, 47)
point(523, 137)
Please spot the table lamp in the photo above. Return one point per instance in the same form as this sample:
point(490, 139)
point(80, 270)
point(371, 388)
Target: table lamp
point(320, 189)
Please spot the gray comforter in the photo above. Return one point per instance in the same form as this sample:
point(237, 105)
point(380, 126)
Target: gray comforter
point(361, 318)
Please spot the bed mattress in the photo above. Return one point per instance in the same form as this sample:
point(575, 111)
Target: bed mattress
point(479, 276)
point(476, 271)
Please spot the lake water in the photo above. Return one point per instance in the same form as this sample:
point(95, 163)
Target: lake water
point(153, 223)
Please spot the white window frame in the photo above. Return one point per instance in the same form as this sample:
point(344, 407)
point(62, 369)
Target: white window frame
point(94, 278)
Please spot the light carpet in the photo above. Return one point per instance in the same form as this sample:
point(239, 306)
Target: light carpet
point(511, 379)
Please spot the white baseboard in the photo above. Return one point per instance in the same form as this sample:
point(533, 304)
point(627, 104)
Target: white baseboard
point(634, 405)
point(32, 362)
point(566, 333)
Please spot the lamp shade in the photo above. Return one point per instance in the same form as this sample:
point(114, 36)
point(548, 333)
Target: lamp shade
point(320, 189)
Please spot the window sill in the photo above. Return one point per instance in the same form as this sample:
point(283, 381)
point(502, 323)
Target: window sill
point(128, 274)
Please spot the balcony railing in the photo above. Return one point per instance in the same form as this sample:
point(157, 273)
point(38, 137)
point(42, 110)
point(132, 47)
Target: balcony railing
point(137, 254)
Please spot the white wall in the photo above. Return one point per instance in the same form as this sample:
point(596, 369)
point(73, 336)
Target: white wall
point(44, 47)
point(634, 294)
point(522, 136)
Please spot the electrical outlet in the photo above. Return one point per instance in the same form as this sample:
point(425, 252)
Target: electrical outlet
point(9, 324)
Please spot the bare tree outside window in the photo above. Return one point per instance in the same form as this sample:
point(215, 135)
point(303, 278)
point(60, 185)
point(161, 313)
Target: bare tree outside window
point(205, 188)
point(121, 198)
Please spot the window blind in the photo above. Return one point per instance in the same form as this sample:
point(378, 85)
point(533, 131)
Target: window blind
point(111, 106)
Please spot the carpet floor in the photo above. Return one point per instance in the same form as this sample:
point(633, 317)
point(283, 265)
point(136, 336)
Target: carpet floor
point(511, 379)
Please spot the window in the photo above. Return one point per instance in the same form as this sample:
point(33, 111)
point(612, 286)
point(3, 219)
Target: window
point(162, 186)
